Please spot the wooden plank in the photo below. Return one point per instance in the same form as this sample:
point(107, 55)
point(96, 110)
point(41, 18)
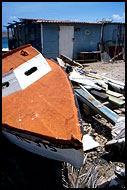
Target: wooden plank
point(114, 81)
point(86, 60)
point(88, 111)
point(116, 94)
point(92, 52)
point(75, 76)
point(70, 61)
point(94, 75)
point(115, 100)
point(61, 62)
point(100, 94)
point(94, 104)
point(116, 87)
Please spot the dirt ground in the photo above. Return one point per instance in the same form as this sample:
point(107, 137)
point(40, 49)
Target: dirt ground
point(115, 70)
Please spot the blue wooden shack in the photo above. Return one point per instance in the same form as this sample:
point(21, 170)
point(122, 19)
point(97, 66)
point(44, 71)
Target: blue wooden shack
point(53, 37)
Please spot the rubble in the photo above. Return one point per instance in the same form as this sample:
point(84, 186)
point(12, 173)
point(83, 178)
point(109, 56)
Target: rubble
point(120, 171)
point(103, 161)
point(104, 166)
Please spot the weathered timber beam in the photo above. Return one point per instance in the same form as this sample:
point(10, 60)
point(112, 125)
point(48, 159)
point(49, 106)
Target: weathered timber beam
point(70, 61)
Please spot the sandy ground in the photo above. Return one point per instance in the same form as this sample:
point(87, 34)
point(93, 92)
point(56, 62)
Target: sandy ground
point(115, 70)
point(23, 170)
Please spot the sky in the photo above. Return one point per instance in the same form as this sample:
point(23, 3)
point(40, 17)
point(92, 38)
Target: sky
point(73, 11)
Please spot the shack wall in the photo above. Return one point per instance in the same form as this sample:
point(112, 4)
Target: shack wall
point(33, 35)
point(86, 38)
point(50, 40)
point(111, 32)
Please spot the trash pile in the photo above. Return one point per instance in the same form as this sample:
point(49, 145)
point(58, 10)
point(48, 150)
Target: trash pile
point(98, 97)
point(101, 102)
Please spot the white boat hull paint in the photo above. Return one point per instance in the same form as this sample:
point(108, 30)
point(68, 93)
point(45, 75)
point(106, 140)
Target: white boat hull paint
point(70, 155)
point(38, 62)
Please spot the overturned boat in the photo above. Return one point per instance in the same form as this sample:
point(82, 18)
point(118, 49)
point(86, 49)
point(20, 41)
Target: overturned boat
point(39, 109)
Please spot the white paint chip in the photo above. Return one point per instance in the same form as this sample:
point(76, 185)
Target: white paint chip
point(36, 115)
point(89, 143)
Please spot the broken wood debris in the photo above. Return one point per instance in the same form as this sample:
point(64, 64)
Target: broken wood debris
point(89, 143)
point(93, 103)
point(116, 100)
point(116, 94)
point(94, 90)
point(99, 96)
point(113, 58)
point(70, 61)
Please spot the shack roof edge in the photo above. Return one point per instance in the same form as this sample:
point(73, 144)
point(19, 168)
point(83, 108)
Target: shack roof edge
point(54, 21)
point(65, 21)
point(59, 22)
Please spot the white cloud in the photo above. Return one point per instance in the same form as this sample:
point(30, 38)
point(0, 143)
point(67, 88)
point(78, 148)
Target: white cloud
point(12, 18)
point(118, 17)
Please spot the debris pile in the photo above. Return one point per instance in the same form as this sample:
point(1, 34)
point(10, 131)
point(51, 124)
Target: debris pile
point(102, 106)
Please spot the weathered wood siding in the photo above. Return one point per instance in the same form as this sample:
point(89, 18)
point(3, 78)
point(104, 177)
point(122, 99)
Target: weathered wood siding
point(50, 40)
point(82, 41)
point(111, 32)
point(33, 35)
point(86, 38)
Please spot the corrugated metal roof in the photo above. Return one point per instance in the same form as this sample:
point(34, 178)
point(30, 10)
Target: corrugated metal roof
point(57, 21)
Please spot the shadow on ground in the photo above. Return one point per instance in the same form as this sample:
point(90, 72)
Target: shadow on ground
point(24, 170)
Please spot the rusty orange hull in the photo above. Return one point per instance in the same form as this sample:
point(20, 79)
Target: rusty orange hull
point(38, 105)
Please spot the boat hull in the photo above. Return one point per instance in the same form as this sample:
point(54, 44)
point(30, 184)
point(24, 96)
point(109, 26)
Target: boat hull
point(39, 106)
point(46, 149)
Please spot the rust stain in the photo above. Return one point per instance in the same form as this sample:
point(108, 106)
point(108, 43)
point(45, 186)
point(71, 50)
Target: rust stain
point(90, 99)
